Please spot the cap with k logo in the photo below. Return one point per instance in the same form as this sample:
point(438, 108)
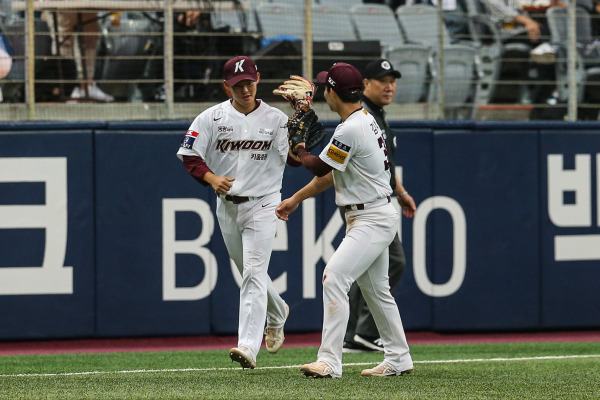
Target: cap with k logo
point(239, 68)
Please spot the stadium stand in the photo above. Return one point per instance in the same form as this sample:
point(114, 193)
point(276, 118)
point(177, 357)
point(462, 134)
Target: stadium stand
point(500, 56)
point(46, 67)
point(123, 47)
point(237, 19)
point(460, 59)
point(294, 3)
point(414, 62)
point(347, 4)
point(278, 19)
point(588, 57)
point(377, 22)
point(476, 56)
point(330, 23)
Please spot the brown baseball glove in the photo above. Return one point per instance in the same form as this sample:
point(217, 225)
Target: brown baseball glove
point(298, 91)
point(304, 127)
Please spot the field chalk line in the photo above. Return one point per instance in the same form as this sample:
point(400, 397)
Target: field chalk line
point(143, 371)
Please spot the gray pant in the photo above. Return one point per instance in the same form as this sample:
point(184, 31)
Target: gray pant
point(361, 321)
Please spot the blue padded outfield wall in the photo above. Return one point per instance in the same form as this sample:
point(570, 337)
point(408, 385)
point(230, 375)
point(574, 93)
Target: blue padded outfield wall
point(104, 234)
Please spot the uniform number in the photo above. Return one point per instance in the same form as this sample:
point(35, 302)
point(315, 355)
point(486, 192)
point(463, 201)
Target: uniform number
point(381, 142)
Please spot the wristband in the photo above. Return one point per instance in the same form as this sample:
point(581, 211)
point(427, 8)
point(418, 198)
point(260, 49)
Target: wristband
point(402, 194)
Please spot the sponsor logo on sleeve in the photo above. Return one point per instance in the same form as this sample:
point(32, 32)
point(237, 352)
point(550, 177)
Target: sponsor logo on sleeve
point(338, 151)
point(189, 139)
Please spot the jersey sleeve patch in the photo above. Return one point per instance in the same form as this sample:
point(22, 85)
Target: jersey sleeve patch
point(189, 139)
point(338, 151)
point(265, 131)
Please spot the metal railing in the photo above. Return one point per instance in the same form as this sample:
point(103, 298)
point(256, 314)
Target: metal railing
point(173, 72)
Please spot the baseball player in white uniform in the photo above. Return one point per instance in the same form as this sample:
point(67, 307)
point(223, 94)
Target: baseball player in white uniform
point(355, 163)
point(239, 147)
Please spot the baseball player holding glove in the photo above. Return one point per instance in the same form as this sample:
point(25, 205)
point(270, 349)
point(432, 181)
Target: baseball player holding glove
point(379, 89)
point(239, 148)
point(355, 163)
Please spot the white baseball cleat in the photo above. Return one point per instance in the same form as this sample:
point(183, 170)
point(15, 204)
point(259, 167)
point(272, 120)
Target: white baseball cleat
point(274, 336)
point(318, 369)
point(384, 369)
point(243, 355)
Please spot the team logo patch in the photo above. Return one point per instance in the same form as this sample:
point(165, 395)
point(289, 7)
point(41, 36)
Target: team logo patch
point(338, 151)
point(265, 131)
point(189, 139)
point(224, 129)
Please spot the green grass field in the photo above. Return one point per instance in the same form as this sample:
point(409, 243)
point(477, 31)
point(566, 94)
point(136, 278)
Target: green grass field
point(458, 371)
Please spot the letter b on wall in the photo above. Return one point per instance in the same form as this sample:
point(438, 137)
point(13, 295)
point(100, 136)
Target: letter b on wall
point(196, 246)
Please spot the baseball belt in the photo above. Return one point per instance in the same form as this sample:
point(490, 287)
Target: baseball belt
point(375, 203)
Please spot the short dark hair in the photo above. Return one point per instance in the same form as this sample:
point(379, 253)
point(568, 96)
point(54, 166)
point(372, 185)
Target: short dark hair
point(347, 97)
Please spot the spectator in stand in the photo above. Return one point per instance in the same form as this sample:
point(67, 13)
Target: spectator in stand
point(595, 14)
point(514, 19)
point(65, 27)
point(188, 44)
point(519, 27)
point(455, 16)
point(593, 8)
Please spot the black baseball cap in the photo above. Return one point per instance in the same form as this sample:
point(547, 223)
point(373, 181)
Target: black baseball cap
point(379, 68)
point(342, 78)
point(238, 69)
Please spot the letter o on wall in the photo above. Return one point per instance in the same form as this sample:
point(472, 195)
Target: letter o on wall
point(459, 233)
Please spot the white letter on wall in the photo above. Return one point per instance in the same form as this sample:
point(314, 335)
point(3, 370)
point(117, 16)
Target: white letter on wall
point(459, 262)
point(172, 247)
point(315, 249)
point(52, 277)
point(578, 181)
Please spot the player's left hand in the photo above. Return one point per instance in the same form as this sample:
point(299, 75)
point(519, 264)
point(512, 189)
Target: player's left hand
point(409, 208)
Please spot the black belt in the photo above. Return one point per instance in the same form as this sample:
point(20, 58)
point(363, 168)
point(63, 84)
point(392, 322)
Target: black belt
point(237, 199)
point(360, 206)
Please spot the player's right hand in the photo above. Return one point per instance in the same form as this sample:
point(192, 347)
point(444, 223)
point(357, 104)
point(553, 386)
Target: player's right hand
point(409, 208)
point(285, 208)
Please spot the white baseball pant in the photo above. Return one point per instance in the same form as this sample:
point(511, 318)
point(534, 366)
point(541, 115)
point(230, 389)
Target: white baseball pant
point(248, 231)
point(363, 256)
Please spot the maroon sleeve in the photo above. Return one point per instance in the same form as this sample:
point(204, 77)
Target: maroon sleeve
point(196, 167)
point(293, 163)
point(313, 163)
